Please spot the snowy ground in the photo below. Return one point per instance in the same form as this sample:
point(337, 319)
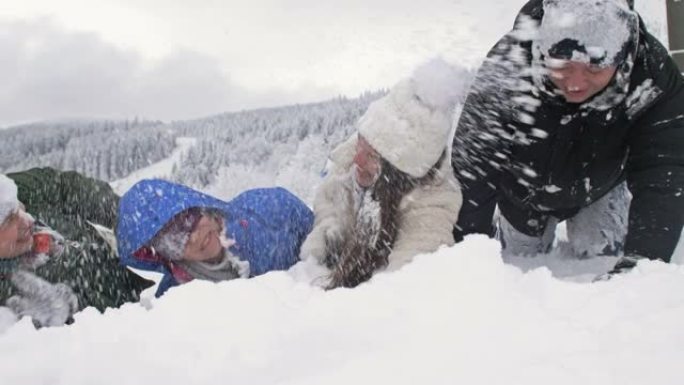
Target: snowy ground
point(458, 316)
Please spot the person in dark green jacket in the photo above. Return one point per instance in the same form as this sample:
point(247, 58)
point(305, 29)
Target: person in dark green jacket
point(80, 261)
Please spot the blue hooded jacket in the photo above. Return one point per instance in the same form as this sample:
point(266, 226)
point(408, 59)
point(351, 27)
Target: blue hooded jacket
point(267, 224)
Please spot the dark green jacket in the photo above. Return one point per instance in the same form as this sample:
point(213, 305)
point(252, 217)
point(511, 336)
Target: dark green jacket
point(65, 201)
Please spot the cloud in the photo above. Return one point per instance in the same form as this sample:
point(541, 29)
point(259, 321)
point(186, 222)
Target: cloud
point(53, 73)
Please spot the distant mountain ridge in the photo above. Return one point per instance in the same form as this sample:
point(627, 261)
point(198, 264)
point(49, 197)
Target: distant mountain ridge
point(103, 149)
point(111, 150)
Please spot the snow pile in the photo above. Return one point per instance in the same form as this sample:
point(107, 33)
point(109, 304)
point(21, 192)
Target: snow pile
point(459, 315)
point(7, 318)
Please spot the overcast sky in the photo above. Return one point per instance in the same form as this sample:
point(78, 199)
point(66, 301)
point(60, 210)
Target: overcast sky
point(178, 59)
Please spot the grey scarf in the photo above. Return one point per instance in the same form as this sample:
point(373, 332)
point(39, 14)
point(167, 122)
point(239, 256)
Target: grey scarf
point(229, 267)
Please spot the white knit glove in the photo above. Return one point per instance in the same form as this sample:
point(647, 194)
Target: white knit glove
point(323, 244)
point(46, 303)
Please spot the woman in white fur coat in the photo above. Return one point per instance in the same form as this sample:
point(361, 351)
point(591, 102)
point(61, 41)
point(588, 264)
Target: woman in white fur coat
point(390, 193)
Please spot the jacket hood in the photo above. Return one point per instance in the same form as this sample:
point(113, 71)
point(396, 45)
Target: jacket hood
point(147, 207)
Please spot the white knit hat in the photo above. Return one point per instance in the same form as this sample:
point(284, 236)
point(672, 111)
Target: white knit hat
point(410, 126)
point(8, 197)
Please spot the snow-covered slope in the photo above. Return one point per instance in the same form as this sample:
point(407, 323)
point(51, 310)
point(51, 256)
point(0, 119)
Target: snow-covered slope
point(161, 169)
point(460, 316)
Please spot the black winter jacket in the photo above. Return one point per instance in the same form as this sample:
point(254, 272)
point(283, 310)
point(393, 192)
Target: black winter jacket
point(538, 156)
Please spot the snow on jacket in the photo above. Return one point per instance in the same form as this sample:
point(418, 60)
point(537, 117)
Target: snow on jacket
point(536, 155)
point(67, 201)
point(427, 214)
point(267, 224)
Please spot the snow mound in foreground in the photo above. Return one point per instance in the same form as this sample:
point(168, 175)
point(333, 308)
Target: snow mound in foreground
point(459, 315)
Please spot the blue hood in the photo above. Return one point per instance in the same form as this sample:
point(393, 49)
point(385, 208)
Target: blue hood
point(267, 224)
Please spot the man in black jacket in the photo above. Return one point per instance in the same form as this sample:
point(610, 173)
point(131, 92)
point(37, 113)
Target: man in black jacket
point(573, 111)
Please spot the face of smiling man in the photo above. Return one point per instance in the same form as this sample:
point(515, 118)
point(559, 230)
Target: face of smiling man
point(577, 82)
point(16, 234)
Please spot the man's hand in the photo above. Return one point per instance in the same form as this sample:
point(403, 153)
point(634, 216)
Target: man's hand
point(46, 303)
point(57, 242)
point(623, 265)
point(47, 244)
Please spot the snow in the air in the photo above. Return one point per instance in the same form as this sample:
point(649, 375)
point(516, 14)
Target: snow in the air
point(462, 315)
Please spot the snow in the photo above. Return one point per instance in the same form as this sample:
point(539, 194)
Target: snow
point(678, 254)
point(8, 197)
point(654, 14)
point(441, 85)
point(460, 315)
point(552, 188)
point(529, 172)
point(7, 319)
point(668, 120)
point(584, 21)
point(644, 94)
point(367, 215)
point(538, 133)
point(160, 169)
point(525, 118)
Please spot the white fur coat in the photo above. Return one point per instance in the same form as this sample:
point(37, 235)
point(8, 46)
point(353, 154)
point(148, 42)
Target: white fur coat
point(427, 214)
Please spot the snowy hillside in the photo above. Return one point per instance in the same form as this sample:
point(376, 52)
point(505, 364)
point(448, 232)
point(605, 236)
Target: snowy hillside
point(196, 152)
point(162, 169)
point(284, 146)
point(105, 149)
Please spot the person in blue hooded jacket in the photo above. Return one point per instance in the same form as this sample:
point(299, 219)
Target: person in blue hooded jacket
point(186, 234)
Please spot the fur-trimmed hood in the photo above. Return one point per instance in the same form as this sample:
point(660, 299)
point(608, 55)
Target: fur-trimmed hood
point(267, 224)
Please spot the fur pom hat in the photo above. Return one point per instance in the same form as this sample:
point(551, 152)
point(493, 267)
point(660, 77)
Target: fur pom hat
point(8, 198)
point(410, 126)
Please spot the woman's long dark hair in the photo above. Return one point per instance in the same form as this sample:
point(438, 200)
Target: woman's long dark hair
point(356, 260)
